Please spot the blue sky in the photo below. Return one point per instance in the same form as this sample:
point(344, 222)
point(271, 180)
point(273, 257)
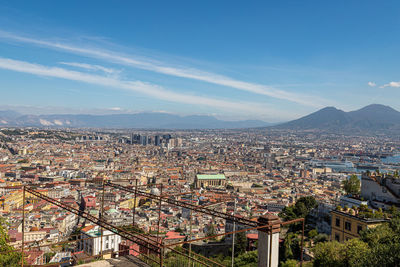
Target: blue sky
point(268, 60)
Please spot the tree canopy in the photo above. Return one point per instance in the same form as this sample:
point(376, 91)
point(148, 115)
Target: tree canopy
point(11, 258)
point(240, 243)
point(352, 185)
point(379, 246)
point(301, 209)
point(334, 254)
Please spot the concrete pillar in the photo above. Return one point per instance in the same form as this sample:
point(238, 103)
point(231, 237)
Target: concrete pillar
point(266, 247)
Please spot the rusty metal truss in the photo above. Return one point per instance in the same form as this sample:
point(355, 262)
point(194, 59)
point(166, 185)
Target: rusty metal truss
point(146, 241)
point(182, 204)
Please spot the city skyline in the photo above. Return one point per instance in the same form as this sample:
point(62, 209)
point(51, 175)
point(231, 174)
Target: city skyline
point(262, 61)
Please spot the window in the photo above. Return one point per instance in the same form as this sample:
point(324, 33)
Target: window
point(347, 226)
point(337, 222)
point(337, 237)
point(359, 229)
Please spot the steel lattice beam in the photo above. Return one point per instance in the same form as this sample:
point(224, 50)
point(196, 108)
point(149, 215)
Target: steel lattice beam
point(149, 242)
point(188, 206)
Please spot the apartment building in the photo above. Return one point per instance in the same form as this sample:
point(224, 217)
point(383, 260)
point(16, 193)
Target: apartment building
point(92, 244)
point(346, 226)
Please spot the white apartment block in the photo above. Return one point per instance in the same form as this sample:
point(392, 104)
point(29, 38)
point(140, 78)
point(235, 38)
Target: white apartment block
point(93, 245)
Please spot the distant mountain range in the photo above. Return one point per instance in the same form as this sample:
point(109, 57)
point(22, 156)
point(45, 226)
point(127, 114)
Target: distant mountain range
point(138, 121)
point(373, 118)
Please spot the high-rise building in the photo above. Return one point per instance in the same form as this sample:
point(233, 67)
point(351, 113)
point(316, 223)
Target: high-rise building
point(157, 140)
point(135, 138)
point(178, 142)
point(143, 140)
point(166, 137)
point(132, 138)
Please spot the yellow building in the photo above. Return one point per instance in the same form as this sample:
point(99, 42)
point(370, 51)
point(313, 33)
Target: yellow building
point(35, 199)
point(12, 200)
point(346, 226)
point(128, 204)
point(17, 183)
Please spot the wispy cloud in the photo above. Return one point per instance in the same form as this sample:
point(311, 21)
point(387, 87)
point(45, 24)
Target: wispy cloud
point(391, 84)
point(115, 109)
point(372, 84)
point(91, 67)
point(163, 68)
point(152, 90)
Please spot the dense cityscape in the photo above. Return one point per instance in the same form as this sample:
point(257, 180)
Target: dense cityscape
point(248, 173)
point(199, 133)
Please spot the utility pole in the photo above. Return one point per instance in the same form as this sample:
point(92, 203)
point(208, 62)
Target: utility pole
point(23, 227)
point(190, 234)
point(134, 205)
point(159, 213)
point(101, 217)
point(233, 235)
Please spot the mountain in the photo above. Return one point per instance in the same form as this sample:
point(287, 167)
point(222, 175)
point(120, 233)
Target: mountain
point(139, 120)
point(372, 118)
point(7, 116)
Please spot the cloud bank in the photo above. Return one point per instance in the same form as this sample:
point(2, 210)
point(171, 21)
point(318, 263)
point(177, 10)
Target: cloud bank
point(90, 67)
point(163, 68)
point(152, 90)
point(391, 84)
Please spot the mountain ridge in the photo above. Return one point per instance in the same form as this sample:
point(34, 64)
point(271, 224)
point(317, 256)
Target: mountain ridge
point(371, 118)
point(149, 120)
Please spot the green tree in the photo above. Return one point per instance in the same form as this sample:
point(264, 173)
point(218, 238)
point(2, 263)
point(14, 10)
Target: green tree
point(288, 213)
point(392, 209)
point(352, 253)
point(384, 241)
point(289, 263)
point(291, 247)
point(352, 185)
point(379, 246)
point(356, 253)
point(240, 243)
point(7, 255)
point(313, 233)
point(287, 247)
point(328, 254)
point(301, 209)
point(321, 238)
point(210, 230)
point(249, 259)
point(374, 236)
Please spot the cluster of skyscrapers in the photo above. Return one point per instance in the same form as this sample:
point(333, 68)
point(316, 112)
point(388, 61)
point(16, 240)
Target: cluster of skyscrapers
point(149, 140)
